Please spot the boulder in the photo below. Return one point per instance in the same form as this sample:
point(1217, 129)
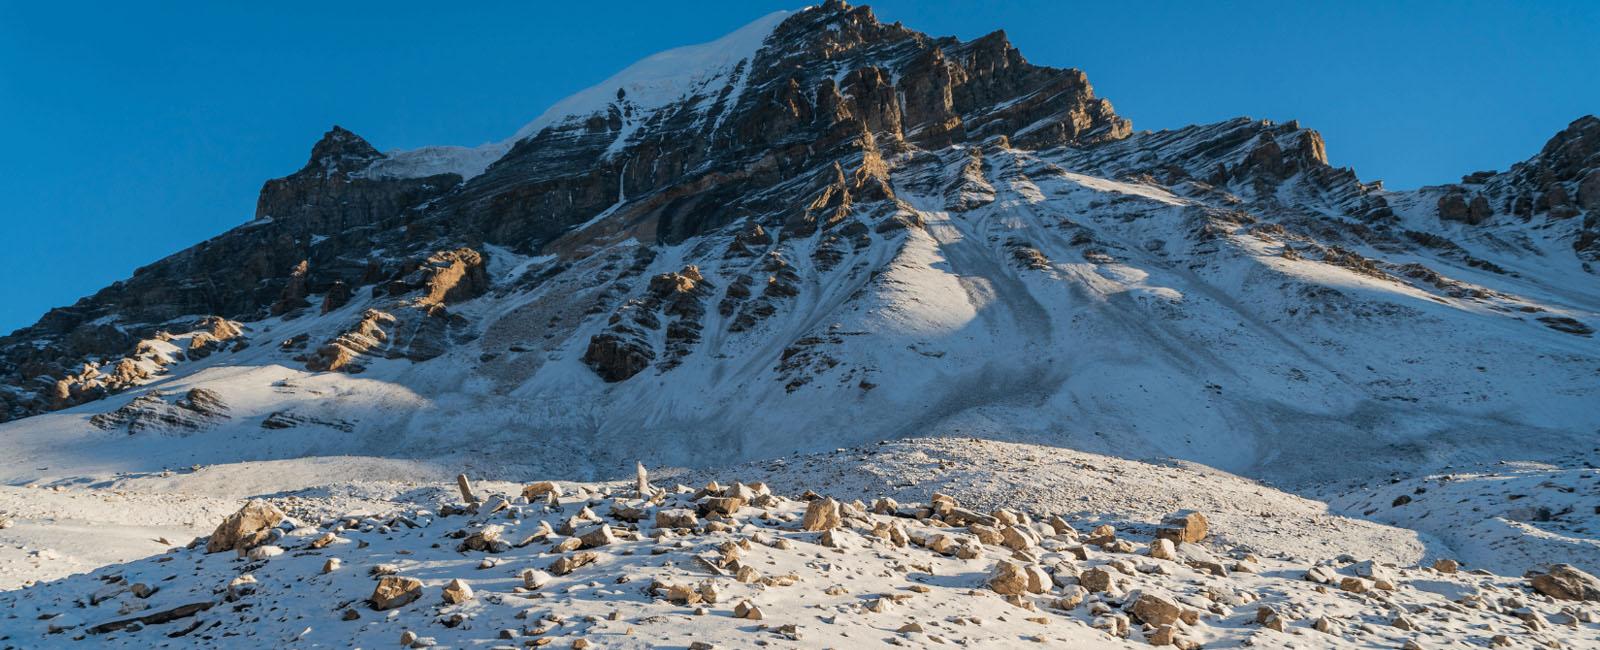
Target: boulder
point(395, 591)
point(1008, 578)
point(568, 563)
point(1018, 538)
point(725, 506)
point(821, 514)
point(1453, 207)
point(1566, 582)
point(676, 518)
point(1096, 579)
point(597, 536)
point(246, 529)
point(1184, 527)
point(457, 591)
point(537, 490)
point(1155, 609)
point(1162, 549)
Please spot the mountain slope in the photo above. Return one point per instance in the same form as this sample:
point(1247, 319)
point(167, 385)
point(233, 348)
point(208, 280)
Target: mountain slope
point(825, 230)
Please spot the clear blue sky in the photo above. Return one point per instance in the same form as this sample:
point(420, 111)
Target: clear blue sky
point(133, 130)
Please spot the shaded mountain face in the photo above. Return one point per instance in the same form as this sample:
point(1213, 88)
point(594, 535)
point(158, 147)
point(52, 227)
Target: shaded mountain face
point(823, 229)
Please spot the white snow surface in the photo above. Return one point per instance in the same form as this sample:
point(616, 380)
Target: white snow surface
point(662, 78)
point(468, 162)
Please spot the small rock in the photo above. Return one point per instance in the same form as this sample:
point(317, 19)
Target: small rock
point(535, 579)
point(536, 490)
point(568, 563)
point(457, 592)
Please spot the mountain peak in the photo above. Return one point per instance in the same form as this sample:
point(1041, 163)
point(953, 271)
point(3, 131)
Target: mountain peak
point(340, 151)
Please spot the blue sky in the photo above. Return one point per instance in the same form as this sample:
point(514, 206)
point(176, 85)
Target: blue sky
point(134, 130)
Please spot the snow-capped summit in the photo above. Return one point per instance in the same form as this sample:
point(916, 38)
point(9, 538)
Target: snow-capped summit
point(664, 78)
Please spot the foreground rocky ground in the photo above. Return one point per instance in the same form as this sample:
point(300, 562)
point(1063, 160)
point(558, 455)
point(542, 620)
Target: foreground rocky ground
point(744, 564)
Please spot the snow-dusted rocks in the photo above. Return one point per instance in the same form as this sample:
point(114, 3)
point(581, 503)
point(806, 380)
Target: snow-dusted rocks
point(671, 585)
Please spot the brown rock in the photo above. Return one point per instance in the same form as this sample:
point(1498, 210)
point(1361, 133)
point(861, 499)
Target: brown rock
point(1185, 527)
point(1018, 538)
point(1155, 609)
point(245, 529)
point(1453, 207)
point(568, 563)
point(1566, 582)
point(725, 506)
point(395, 591)
point(821, 514)
point(597, 536)
point(1164, 635)
point(457, 592)
point(1096, 579)
point(676, 518)
point(537, 490)
point(1008, 578)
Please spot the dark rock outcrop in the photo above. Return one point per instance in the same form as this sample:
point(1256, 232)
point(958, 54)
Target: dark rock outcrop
point(198, 409)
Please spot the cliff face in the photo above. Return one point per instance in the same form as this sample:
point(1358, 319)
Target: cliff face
point(829, 84)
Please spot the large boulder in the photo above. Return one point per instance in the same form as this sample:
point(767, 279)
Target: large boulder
point(246, 529)
point(1566, 582)
point(1155, 609)
point(1184, 527)
point(1008, 578)
point(395, 591)
point(821, 514)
